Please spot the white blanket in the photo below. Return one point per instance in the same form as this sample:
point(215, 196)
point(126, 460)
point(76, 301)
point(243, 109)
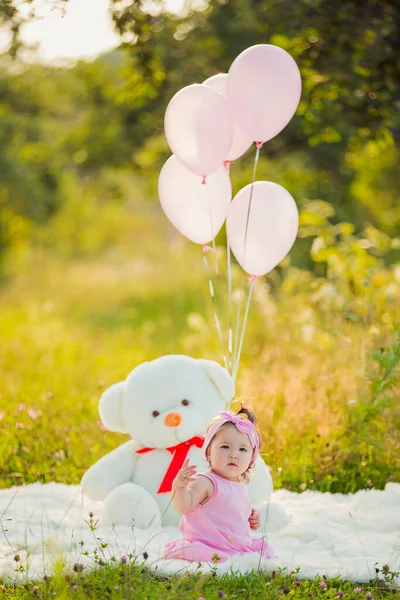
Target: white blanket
point(331, 534)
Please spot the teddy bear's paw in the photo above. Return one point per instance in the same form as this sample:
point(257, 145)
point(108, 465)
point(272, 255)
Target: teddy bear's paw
point(272, 516)
point(131, 505)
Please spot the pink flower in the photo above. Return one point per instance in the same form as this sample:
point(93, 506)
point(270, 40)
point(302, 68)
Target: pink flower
point(124, 560)
point(19, 426)
point(34, 414)
point(368, 596)
point(357, 590)
point(322, 585)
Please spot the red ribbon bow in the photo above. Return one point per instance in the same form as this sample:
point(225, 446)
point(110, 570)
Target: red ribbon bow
point(180, 452)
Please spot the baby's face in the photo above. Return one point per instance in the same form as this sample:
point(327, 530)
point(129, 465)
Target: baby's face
point(230, 452)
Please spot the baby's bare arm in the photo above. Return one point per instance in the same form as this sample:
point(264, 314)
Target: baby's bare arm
point(186, 495)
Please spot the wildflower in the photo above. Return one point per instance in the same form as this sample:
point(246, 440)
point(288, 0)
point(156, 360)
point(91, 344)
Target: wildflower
point(145, 555)
point(35, 589)
point(91, 515)
point(19, 426)
point(368, 596)
point(339, 594)
point(124, 560)
point(216, 558)
point(34, 414)
point(78, 567)
point(322, 585)
point(357, 590)
point(74, 587)
point(268, 583)
point(221, 594)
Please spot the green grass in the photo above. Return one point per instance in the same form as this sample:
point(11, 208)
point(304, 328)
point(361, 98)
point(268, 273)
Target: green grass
point(123, 581)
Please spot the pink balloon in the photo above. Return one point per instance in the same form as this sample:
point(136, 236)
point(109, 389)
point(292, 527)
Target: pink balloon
point(272, 227)
point(197, 210)
point(264, 89)
point(241, 141)
point(199, 128)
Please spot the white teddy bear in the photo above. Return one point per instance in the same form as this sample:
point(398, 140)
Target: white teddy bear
point(165, 406)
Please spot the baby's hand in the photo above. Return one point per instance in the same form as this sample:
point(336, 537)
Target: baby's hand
point(254, 519)
point(185, 475)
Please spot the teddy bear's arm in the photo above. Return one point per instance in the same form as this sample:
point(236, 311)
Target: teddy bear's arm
point(260, 486)
point(109, 472)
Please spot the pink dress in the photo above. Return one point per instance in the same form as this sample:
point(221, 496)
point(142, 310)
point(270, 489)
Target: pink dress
point(220, 526)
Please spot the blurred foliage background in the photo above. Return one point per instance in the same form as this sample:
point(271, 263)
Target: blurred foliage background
point(94, 279)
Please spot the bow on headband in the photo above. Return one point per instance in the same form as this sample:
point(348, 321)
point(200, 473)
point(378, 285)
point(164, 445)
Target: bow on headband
point(242, 424)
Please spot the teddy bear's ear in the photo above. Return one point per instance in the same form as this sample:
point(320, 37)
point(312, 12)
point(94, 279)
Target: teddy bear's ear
point(110, 407)
point(220, 378)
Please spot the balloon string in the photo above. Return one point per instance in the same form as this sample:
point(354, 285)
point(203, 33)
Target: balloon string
point(228, 258)
point(227, 164)
point(218, 285)
point(206, 249)
point(236, 357)
point(215, 260)
point(235, 346)
point(234, 374)
point(218, 282)
point(258, 146)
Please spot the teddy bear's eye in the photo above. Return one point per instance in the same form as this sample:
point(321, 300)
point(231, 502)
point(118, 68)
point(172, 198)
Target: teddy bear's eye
point(185, 402)
point(155, 413)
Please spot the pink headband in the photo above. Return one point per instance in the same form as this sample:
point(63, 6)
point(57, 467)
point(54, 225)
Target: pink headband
point(242, 424)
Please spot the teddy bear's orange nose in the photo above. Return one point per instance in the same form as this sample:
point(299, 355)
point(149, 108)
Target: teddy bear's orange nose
point(172, 420)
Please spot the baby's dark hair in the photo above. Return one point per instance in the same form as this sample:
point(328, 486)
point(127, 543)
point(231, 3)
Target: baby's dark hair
point(249, 414)
point(243, 410)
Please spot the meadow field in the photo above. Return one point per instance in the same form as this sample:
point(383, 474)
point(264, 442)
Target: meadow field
point(319, 366)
